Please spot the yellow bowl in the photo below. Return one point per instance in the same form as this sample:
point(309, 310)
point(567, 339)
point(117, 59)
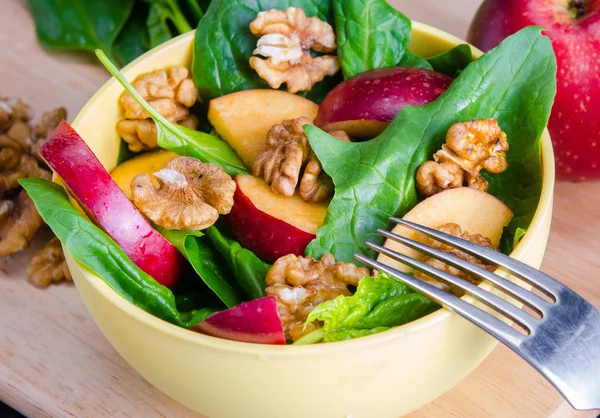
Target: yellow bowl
point(384, 375)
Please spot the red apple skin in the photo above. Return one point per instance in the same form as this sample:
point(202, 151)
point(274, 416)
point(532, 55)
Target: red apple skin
point(575, 120)
point(70, 157)
point(366, 103)
point(268, 237)
point(256, 321)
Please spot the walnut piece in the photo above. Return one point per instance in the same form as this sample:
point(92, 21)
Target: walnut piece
point(286, 39)
point(470, 147)
point(20, 223)
point(191, 194)
point(48, 265)
point(170, 92)
point(46, 127)
point(286, 154)
point(301, 283)
point(454, 229)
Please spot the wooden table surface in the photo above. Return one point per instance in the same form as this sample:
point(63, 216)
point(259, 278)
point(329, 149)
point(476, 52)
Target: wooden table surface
point(54, 362)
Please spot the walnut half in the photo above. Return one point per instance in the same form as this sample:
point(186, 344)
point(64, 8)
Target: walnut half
point(301, 283)
point(190, 194)
point(288, 159)
point(286, 39)
point(470, 147)
point(48, 265)
point(454, 229)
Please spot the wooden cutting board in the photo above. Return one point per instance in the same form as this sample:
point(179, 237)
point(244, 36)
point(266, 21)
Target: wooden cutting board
point(54, 362)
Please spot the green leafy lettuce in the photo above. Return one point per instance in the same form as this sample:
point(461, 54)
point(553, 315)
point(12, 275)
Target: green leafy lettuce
point(370, 34)
point(95, 250)
point(514, 83)
point(224, 45)
point(179, 139)
point(452, 62)
point(379, 303)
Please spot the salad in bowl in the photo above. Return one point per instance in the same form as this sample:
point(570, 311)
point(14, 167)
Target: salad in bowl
point(252, 167)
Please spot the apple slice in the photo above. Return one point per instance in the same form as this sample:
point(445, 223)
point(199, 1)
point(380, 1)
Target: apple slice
point(476, 212)
point(70, 157)
point(272, 225)
point(244, 118)
point(256, 322)
point(149, 163)
point(364, 105)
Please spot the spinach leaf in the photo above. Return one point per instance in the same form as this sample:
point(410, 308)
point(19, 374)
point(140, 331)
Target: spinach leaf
point(452, 62)
point(370, 34)
point(91, 247)
point(224, 44)
point(179, 139)
point(79, 24)
point(379, 303)
point(248, 270)
point(197, 249)
point(514, 83)
point(193, 10)
point(411, 60)
point(161, 14)
point(124, 152)
point(133, 38)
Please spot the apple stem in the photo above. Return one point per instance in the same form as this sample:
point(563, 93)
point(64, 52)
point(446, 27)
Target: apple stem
point(578, 8)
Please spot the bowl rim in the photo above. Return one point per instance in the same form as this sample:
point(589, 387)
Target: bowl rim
point(185, 335)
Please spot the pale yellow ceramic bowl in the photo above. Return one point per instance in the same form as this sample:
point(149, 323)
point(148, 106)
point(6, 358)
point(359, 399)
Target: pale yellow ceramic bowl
point(384, 375)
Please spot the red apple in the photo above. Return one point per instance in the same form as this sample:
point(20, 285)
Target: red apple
point(70, 157)
point(256, 321)
point(574, 29)
point(269, 224)
point(365, 104)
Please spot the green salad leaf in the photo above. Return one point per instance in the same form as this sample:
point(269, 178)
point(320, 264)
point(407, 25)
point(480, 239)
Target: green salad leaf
point(79, 25)
point(224, 45)
point(248, 270)
point(514, 83)
point(452, 62)
point(370, 34)
point(411, 60)
point(161, 14)
point(133, 38)
point(95, 250)
point(182, 140)
point(379, 303)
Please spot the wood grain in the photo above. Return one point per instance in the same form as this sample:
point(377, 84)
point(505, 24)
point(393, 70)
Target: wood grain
point(54, 362)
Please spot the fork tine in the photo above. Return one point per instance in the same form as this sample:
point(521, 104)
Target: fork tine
point(484, 320)
point(530, 275)
point(491, 300)
point(528, 298)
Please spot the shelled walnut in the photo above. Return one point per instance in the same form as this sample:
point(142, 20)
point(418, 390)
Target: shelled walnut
point(301, 283)
point(48, 265)
point(170, 92)
point(470, 147)
point(19, 220)
point(288, 159)
point(190, 194)
point(286, 40)
point(454, 229)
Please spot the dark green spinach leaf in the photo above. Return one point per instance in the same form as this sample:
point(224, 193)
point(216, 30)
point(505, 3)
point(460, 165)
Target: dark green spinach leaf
point(514, 83)
point(224, 45)
point(248, 270)
point(379, 303)
point(163, 13)
point(370, 34)
point(452, 62)
point(95, 250)
point(411, 60)
point(182, 140)
point(79, 24)
point(133, 38)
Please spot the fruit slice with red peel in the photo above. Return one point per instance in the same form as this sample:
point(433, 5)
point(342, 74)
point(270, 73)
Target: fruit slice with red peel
point(365, 104)
point(243, 119)
point(104, 202)
point(269, 224)
point(256, 322)
point(476, 212)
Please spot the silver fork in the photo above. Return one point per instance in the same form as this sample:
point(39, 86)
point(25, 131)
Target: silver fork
point(563, 344)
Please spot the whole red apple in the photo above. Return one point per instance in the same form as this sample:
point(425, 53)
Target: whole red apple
point(574, 29)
